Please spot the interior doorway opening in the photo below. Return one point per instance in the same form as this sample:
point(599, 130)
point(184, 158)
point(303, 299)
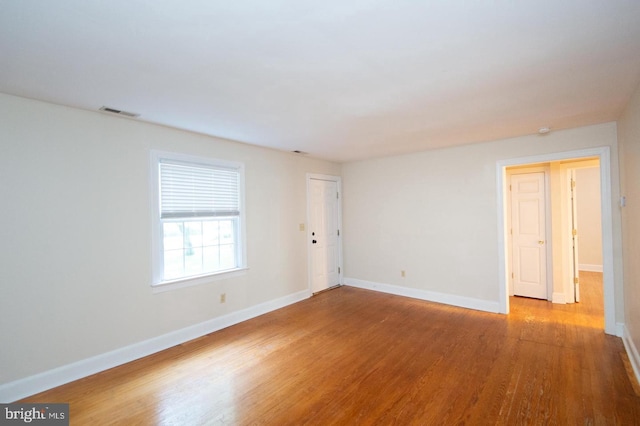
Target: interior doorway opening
point(554, 228)
point(559, 273)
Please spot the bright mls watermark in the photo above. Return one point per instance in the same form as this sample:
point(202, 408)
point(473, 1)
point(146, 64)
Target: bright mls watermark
point(34, 414)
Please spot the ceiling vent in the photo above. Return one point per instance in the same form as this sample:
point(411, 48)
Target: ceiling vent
point(119, 112)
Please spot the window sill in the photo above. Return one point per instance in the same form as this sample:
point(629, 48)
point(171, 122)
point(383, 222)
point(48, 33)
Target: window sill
point(197, 280)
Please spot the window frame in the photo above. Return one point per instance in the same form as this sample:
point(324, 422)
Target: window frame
point(158, 283)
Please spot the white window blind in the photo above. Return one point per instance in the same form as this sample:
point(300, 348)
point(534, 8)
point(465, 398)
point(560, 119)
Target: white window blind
point(194, 190)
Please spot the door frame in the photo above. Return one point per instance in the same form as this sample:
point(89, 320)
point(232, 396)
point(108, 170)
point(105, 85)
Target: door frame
point(604, 154)
point(548, 225)
point(569, 170)
point(573, 296)
point(338, 181)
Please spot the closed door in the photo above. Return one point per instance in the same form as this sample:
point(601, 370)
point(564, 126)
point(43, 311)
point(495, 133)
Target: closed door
point(323, 234)
point(529, 257)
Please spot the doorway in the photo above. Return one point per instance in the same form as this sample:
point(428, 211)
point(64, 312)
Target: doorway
point(603, 155)
point(323, 233)
point(586, 223)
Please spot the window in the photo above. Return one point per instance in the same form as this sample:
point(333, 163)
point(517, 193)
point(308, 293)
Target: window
point(198, 217)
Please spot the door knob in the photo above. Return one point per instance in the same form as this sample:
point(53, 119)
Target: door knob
point(540, 242)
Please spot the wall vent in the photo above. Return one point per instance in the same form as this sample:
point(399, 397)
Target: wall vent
point(119, 112)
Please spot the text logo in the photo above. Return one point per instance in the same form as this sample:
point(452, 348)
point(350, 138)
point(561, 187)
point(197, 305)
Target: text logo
point(34, 414)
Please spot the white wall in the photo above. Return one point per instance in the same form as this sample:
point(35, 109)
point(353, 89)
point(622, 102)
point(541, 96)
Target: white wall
point(630, 173)
point(75, 246)
point(434, 214)
point(589, 219)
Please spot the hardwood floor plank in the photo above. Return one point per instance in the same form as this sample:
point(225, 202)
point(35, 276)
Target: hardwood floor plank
point(352, 356)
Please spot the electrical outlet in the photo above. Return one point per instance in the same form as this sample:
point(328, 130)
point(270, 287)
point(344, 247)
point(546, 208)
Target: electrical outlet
point(223, 297)
point(402, 274)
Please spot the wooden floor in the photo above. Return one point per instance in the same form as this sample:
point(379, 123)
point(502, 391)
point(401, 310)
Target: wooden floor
point(350, 356)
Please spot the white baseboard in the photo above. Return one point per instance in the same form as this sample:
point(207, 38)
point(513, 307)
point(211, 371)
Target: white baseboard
point(632, 352)
point(431, 296)
point(27, 386)
point(589, 268)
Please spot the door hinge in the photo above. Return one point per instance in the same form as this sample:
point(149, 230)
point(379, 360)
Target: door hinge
point(576, 280)
point(511, 231)
point(338, 232)
point(509, 187)
point(574, 232)
point(338, 269)
point(337, 195)
point(573, 183)
point(512, 277)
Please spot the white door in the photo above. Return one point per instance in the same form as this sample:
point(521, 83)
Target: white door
point(529, 258)
point(323, 234)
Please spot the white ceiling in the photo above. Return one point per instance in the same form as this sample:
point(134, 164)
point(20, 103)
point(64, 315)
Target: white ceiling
point(341, 80)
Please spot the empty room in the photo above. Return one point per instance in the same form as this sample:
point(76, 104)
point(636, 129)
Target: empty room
point(372, 212)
